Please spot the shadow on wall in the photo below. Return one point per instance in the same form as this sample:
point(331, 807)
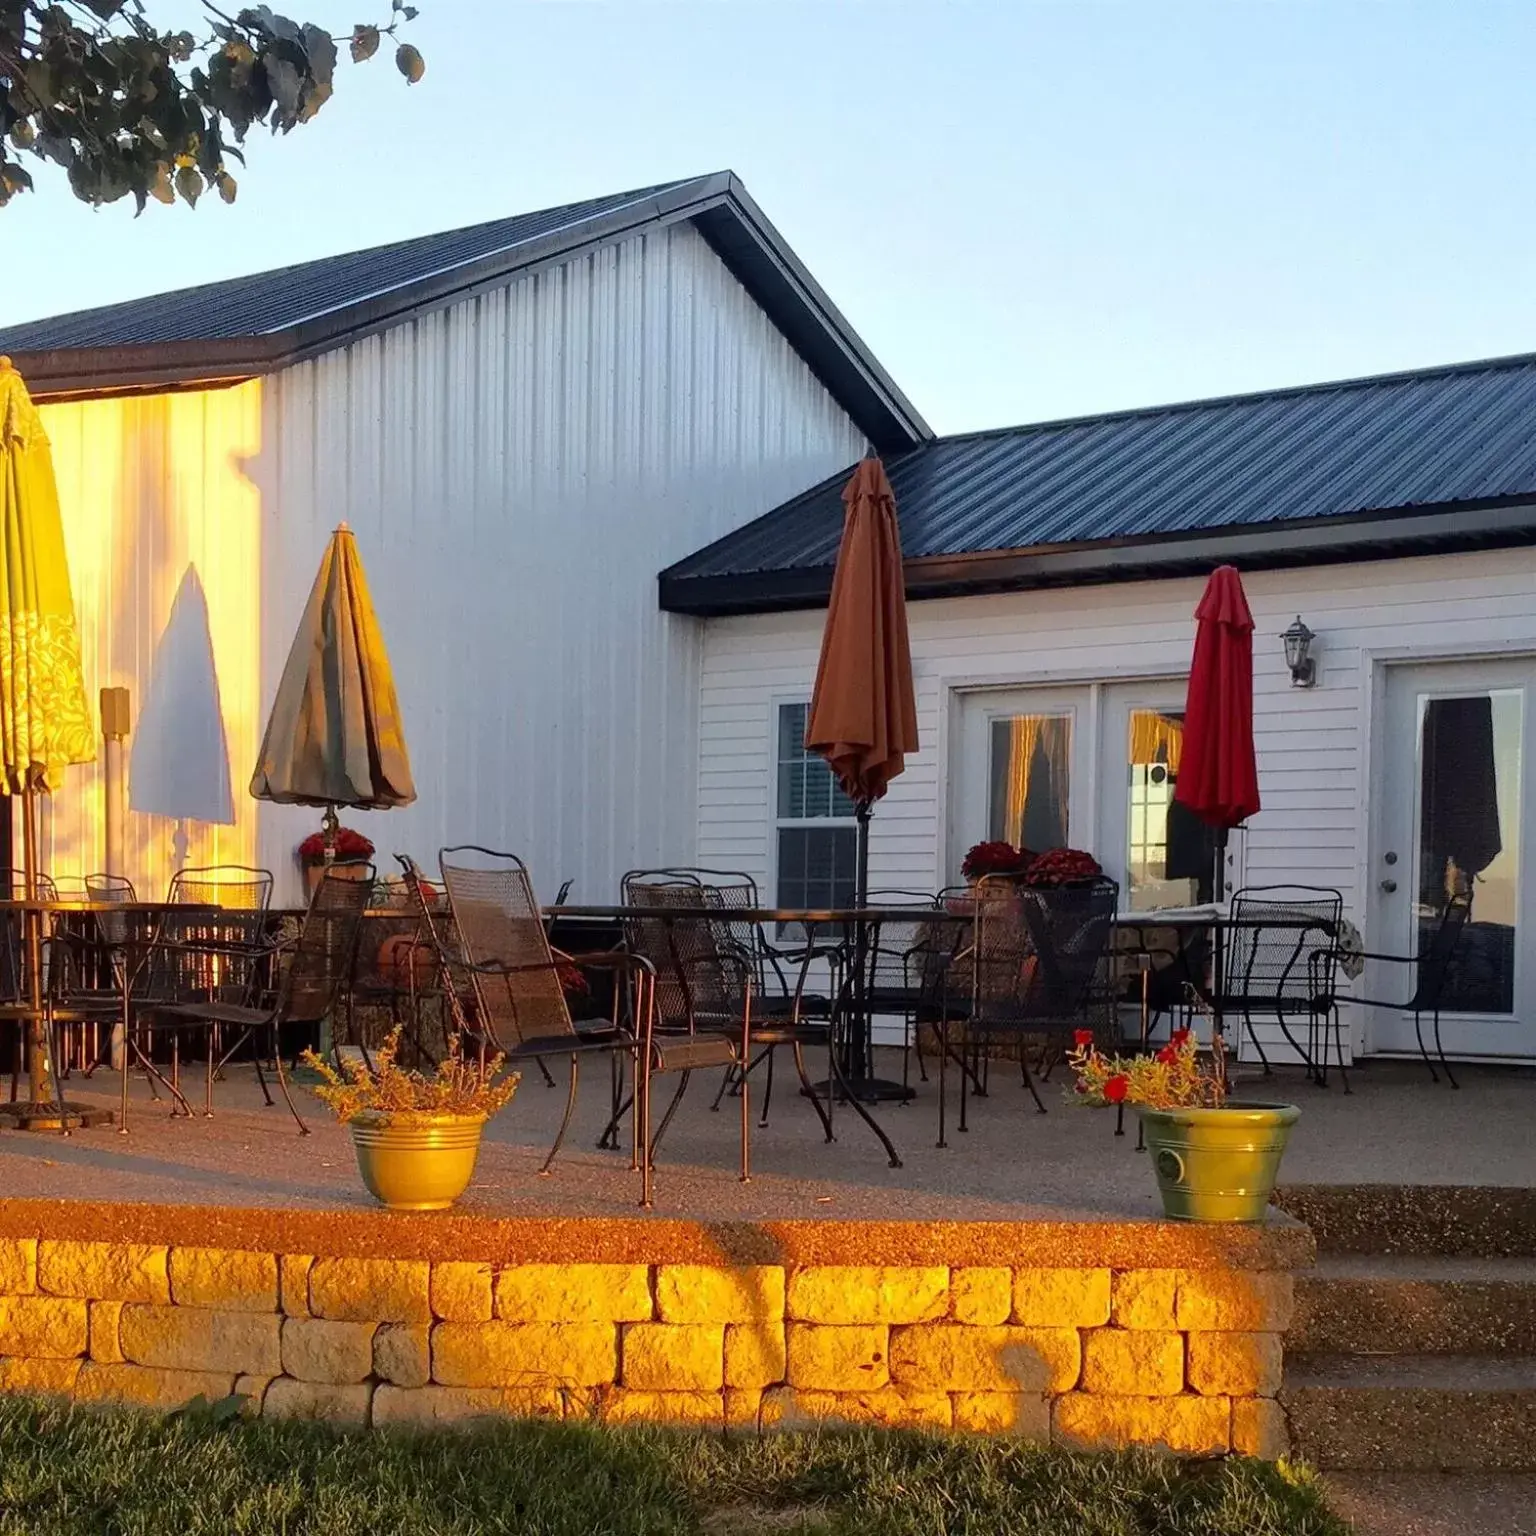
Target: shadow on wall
point(179, 767)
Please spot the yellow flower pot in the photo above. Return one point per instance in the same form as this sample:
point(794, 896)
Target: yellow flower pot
point(1217, 1164)
point(418, 1164)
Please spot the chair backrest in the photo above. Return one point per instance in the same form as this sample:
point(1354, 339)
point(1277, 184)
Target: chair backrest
point(322, 960)
point(497, 922)
point(904, 952)
point(235, 887)
point(110, 888)
point(1281, 946)
point(1437, 959)
point(193, 955)
point(699, 970)
point(16, 885)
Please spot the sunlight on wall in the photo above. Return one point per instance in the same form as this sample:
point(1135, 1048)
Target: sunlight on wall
point(148, 487)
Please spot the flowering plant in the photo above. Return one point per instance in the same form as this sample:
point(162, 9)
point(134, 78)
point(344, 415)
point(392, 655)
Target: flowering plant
point(1171, 1078)
point(996, 858)
point(1062, 866)
point(386, 1094)
point(349, 845)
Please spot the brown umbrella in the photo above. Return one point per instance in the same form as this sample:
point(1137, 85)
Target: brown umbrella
point(334, 736)
point(863, 717)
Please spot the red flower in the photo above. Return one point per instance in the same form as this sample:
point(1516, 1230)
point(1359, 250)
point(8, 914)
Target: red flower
point(349, 845)
point(996, 858)
point(1178, 1038)
point(1116, 1088)
point(1168, 1055)
point(1082, 1037)
point(1062, 866)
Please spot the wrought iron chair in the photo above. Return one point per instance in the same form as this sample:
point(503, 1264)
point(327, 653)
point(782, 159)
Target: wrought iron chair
point(1281, 959)
point(1434, 970)
point(16, 883)
point(1035, 964)
point(110, 888)
point(206, 974)
point(235, 887)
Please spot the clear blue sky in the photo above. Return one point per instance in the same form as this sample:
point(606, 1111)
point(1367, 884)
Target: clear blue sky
point(1028, 209)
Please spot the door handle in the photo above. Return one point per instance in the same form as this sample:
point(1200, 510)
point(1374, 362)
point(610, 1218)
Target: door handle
point(1389, 886)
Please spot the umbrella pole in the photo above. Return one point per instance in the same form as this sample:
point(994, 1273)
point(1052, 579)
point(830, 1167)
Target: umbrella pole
point(1219, 956)
point(40, 1087)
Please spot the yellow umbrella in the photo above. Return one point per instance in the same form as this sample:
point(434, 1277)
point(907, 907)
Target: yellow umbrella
point(45, 722)
point(334, 736)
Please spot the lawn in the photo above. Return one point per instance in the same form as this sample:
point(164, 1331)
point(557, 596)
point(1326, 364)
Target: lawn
point(79, 1471)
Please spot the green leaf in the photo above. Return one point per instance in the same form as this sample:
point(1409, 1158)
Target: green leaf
point(365, 43)
point(410, 63)
point(189, 184)
point(409, 12)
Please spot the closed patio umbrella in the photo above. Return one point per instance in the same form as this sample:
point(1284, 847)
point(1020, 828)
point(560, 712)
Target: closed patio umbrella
point(334, 736)
point(45, 722)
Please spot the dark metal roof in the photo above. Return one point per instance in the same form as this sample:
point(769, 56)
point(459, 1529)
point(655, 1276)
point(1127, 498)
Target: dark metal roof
point(1274, 478)
point(224, 331)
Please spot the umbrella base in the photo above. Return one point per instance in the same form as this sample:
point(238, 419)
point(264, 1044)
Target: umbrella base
point(867, 1090)
point(45, 1116)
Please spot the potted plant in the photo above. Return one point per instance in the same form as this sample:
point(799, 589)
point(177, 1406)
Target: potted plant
point(1214, 1160)
point(353, 851)
point(994, 858)
point(1062, 866)
point(416, 1136)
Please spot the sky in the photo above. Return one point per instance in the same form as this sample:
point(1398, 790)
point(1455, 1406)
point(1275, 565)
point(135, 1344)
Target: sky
point(1028, 210)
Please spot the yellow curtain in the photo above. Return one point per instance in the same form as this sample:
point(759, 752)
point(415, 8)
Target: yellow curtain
point(1156, 739)
point(1023, 739)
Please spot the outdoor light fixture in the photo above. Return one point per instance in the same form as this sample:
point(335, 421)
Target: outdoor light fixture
point(1298, 641)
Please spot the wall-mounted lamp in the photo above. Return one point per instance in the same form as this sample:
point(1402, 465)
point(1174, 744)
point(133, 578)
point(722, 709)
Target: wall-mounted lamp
point(1298, 642)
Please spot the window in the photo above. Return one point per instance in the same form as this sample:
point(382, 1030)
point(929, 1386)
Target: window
point(818, 839)
point(1170, 853)
point(1031, 780)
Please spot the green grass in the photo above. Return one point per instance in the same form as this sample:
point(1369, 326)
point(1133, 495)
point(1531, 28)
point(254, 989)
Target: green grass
point(79, 1471)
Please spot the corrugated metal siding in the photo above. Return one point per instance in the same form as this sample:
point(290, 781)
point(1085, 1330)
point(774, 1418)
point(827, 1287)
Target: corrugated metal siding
point(1313, 746)
point(1416, 440)
point(517, 468)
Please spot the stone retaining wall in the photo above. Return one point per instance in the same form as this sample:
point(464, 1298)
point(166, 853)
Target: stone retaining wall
point(1097, 1353)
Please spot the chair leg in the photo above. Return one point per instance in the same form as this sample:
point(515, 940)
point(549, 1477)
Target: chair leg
point(642, 1131)
point(565, 1119)
point(942, 1031)
point(672, 1108)
point(282, 1082)
point(1258, 1045)
point(1450, 1076)
point(727, 1078)
point(810, 1093)
point(1029, 1083)
point(762, 1119)
point(965, 1074)
point(1338, 1041)
point(548, 1076)
point(1418, 1030)
point(864, 1115)
point(261, 1077)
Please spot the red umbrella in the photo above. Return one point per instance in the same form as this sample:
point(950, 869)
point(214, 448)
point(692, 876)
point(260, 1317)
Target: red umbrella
point(1218, 774)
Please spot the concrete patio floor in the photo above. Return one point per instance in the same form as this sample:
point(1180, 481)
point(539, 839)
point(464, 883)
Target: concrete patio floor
point(1014, 1164)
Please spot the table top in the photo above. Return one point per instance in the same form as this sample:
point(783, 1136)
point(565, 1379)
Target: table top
point(85, 904)
point(809, 916)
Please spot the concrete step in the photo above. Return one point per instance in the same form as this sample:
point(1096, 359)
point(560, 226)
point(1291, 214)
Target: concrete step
point(1413, 1413)
point(1384, 1304)
point(1451, 1220)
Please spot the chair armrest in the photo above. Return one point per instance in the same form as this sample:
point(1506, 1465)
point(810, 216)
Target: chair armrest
point(1368, 954)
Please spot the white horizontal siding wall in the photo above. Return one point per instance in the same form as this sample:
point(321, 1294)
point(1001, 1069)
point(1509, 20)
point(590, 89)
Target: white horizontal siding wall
point(1313, 744)
point(517, 468)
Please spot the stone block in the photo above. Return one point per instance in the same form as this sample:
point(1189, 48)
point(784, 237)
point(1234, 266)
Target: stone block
point(1023, 1415)
point(1234, 1301)
point(743, 1408)
point(293, 1283)
point(460, 1293)
point(1187, 1425)
point(842, 1294)
point(1144, 1298)
point(105, 1343)
point(1061, 1298)
point(52, 1327)
point(46, 1378)
point(524, 1354)
point(331, 1354)
point(254, 1390)
point(855, 1358)
point(948, 1357)
point(1124, 1362)
point(402, 1354)
point(192, 1339)
point(1235, 1364)
point(1259, 1428)
point(981, 1297)
point(698, 1409)
point(148, 1387)
point(370, 1290)
point(755, 1355)
point(289, 1399)
point(226, 1278)
point(18, 1266)
point(421, 1407)
point(674, 1357)
point(700, 1293)
point(104, 1271)
point(888, 1407)
point(574, 1293)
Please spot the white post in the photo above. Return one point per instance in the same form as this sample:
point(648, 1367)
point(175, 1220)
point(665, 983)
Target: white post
point(114, 730)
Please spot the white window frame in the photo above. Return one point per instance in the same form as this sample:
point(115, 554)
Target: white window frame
point(777, 823)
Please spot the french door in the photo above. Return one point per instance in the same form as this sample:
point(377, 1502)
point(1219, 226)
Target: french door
point(1457, 795)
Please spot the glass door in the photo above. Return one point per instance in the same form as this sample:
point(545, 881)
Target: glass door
point(1457, 789)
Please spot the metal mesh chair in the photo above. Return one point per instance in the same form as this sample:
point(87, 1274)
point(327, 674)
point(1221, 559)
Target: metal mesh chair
point(1036, 967)
point(235, 887)
point(205, 973)
point(1280, 960)
point(16, 883)
point(110, 888)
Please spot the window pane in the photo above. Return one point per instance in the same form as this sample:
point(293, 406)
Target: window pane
point(817, 866)
point(1169, 850)
point(1031, 780)
point(1469, 839)
point(806, 785)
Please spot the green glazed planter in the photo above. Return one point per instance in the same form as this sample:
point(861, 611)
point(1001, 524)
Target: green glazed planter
point(421, 1166)
point(1217, 1164)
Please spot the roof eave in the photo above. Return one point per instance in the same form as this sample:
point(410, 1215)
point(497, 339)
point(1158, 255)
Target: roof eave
point(1317, 541)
